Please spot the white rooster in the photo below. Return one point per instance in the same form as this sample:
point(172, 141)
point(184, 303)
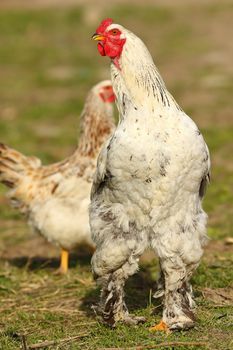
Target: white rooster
point(147, 190)
point(55, 197)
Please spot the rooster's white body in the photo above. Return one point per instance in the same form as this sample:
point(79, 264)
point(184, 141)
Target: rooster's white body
point(147, 190)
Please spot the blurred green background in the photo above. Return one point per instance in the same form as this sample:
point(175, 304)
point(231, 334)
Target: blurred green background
point(47, 65)
point(48, 62)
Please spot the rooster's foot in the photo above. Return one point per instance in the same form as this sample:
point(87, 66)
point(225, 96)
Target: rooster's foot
point(127, 319)
point(133, 320)
point(160, 327)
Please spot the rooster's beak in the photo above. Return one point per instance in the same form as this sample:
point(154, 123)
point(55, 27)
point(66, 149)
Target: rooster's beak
point(98, 37)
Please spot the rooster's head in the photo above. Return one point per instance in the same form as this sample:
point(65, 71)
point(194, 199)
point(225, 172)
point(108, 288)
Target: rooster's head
point(110, 39)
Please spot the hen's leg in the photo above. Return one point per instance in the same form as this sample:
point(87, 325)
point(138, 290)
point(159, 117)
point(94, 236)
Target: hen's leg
point(64, 264)
point(112, 265)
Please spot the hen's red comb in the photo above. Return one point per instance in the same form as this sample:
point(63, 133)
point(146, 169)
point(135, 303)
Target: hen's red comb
point(103, 25)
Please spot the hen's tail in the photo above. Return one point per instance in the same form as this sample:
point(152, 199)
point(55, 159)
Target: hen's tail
point(14, 165)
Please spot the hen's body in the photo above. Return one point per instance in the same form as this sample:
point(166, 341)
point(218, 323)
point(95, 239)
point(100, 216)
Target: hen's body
point(55, 198)
point(147, 190)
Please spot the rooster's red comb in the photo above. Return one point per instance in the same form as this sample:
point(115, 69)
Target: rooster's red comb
point(103, 25)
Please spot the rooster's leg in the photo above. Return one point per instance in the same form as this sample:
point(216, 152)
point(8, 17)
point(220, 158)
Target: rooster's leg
point(112, 305)
point(160, 284)
point(114, 261)
point(178, 302)
point(63, 269)
point(112, 301)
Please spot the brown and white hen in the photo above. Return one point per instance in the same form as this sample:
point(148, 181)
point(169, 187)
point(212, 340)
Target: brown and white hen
point(148, 186)
point(55, 197)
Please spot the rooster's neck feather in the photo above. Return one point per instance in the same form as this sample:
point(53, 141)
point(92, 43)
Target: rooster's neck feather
point(138, 79)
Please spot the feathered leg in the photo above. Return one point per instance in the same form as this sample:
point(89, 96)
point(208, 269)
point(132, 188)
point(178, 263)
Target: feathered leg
point(178, 301)
point(119, 244)
point(112, 305)
point(177, 312)
point(112, 279)
point(160, 288)
point(159, 284)
point(178, 262)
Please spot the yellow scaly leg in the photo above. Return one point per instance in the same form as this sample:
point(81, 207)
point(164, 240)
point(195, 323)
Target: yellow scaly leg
point(63, 269)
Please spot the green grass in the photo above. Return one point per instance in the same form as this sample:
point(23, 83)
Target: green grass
point(47, 65)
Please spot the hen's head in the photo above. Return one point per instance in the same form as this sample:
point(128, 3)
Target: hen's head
point(99, 101)
point(97, 119)
point(104, 91)
point(111, 39)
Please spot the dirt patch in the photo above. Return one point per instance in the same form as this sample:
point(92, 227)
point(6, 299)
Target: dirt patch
point(218, 246)
point(218, 296)
point(32, 246)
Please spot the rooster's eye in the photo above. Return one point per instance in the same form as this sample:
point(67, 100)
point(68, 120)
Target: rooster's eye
point(114, 32)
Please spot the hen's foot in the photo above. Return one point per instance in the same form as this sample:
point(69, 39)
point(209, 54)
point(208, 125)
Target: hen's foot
point(60, 272)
